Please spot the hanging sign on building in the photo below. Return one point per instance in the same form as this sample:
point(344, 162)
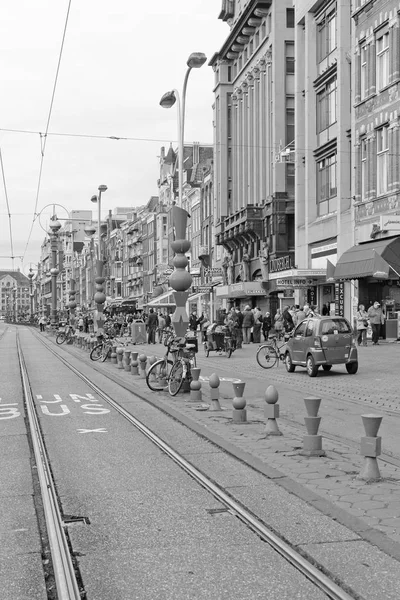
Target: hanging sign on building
point(283, 263)
point(339, 299)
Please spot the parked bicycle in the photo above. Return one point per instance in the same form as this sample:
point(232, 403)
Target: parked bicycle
point(182, 368)
point(220, 340)
point(102, 350)
point(271, 352)
point(159, 374)
point(66, 335)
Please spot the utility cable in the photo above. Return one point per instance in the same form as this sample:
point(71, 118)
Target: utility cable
point(43, 137)
point(8, 208)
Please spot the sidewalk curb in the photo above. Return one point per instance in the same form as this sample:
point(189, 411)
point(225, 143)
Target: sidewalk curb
point(326, 507)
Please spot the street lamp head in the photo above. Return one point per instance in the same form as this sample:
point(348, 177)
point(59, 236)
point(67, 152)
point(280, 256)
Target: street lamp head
point(102, 188)
point(168, 99)
point(90, 230)
point(54, 225)
point(93, 198)
point(196, 60)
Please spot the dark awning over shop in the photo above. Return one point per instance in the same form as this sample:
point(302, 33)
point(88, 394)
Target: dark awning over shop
point(379, 259)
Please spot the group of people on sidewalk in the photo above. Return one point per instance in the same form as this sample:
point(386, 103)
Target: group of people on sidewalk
point(374, 317)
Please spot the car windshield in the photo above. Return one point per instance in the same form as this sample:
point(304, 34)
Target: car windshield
point(335, 325)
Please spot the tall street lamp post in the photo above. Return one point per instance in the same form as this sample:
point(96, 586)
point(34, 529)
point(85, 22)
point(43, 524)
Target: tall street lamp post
point(181, 280)
point(55, 227)
point(30, 275)
point(99, 296)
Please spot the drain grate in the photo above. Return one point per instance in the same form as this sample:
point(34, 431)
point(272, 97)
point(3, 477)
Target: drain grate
point(72, 519)
point(216, 511)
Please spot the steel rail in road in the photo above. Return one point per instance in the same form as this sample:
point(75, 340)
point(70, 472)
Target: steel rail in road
point(311, 572)
point(64, 572)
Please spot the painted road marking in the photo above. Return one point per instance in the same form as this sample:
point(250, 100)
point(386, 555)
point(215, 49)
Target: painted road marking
point(228, 379)
point(9, 413)
point(101, 430)
point(94, 408)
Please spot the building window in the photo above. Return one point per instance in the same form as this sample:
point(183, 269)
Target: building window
point(382, 61)
point(326, 34)
point(289, 59)
point(363, 69)
point(326, 105)
point(290, 18)
point(382, 153)
point(289, 120)
point(326, 185)
point(363, 168)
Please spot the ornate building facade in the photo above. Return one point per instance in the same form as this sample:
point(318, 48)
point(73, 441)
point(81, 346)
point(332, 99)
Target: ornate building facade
point(253, 150)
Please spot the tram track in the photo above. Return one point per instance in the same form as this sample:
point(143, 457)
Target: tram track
point(67, 585)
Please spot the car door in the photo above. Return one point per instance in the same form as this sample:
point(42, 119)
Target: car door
point(297, 342)
point(336, 336)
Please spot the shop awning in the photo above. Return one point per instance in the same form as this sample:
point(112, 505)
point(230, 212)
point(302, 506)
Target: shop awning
point(379, 259)
point(165, 300)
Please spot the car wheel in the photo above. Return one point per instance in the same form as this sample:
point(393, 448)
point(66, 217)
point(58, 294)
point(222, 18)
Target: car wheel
point(352, 368)
point(289, 363)
point(312, 368)
point(327, 367)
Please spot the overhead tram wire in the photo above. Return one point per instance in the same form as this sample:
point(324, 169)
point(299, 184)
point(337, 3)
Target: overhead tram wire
point(8, 208)
point(43, 137)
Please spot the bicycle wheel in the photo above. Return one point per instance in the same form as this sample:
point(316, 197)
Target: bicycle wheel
point(176, 377)
point(158, 375)
point(267, 356)
point(61, 337)
point(228, 348)
point(96, 352)
point(105, 352)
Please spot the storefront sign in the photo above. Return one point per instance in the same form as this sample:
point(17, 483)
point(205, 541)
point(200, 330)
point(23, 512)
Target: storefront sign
point(390, 223)
point(201, 289)
point(212, 271)
point(339, 299)
point(241, 290)
point(280, 264)
point(295, 282)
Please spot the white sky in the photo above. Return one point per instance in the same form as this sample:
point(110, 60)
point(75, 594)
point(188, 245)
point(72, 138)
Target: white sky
point(119, 57)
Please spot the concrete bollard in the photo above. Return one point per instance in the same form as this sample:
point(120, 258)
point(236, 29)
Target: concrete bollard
point(142, 364)
point(195, 386)
point(371, 447)
point(114, 355)
point(134, 363)
point(120, 354)
point(127, 357)
point(152, 360)
point(214, 384)
point(271, 411)
point(312, 442)
point(239, 413)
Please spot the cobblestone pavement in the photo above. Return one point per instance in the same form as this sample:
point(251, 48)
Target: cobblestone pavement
point(331, 478)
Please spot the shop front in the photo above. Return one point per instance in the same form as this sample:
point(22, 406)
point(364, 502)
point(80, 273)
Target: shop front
point(252, 293)
point(371, 272)
point(296, 287)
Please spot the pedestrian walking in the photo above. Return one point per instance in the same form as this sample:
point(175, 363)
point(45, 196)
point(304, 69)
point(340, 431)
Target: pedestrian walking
point(287, 320)
point(258, 318)
point(42, 323)
point(161, 327)
point(266, 325)
point(376, 319)
point(151, 324)
point(248, 322)
point(278, 323)
point(239, 334)
point(362, 325)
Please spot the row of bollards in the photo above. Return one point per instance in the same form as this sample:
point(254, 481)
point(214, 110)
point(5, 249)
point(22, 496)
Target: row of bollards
point(136, 364)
